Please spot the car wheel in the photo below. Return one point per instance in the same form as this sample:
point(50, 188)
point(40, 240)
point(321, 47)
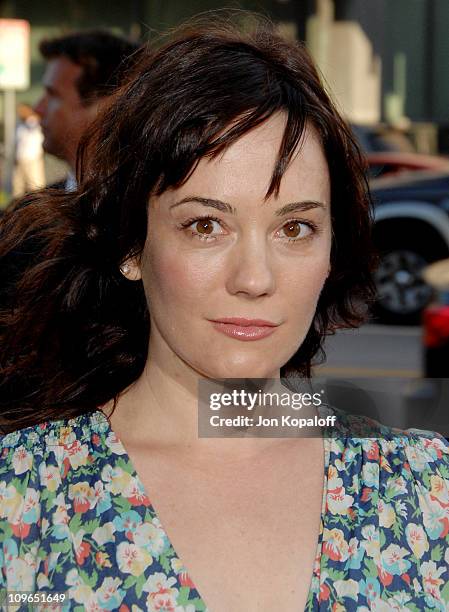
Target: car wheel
point(402, 293)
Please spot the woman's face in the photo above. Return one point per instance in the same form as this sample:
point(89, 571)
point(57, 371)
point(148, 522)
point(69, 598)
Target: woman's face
point(215, 251)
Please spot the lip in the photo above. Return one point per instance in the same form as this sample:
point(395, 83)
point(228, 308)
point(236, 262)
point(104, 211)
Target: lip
point(246, 322)
point(244, 329)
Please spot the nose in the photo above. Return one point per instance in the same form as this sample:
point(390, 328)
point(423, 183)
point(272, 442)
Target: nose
point(39, 107)
point(251, 273)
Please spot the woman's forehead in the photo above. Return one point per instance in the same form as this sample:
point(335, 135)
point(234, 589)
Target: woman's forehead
point(243, 171)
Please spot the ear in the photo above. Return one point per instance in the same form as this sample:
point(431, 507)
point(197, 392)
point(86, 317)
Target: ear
point(131, 269)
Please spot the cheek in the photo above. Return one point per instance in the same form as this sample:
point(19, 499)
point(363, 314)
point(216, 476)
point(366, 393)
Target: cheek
point(57, 107)
point(51, 110)
point(177, 279)
point(308, 279)
point(303, 284)
point(80, 120)
point(302, 293)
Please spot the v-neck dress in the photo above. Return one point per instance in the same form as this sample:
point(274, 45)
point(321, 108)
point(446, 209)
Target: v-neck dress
point(75, 519)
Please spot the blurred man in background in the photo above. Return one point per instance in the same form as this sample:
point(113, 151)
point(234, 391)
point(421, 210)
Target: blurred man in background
point(29, 170)
point(82, 70)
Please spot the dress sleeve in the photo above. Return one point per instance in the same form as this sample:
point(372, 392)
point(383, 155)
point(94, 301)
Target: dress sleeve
point(27, 479)
point(385, 543)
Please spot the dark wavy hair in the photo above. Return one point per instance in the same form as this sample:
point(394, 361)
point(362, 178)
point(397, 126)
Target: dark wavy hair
point(74, 332)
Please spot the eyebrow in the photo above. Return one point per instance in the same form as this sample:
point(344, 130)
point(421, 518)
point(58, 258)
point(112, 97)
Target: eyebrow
point(227, 208)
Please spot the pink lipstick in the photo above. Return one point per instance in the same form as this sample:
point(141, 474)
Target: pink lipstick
point(244, 329)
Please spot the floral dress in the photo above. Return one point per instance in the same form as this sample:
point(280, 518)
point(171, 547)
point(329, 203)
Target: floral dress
point(75, 519)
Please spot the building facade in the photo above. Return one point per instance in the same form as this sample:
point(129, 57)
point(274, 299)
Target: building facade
point(402, 44)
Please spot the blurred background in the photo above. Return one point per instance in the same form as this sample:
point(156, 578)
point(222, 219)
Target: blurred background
point(385, 64)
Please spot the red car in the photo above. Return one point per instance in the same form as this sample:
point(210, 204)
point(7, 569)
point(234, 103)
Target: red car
point(435, 321)
point(436, 340)
point(389, 163)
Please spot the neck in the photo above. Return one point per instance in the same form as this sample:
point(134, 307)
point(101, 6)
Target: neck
point(162, 408)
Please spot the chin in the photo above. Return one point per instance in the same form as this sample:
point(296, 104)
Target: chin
point(243, 369)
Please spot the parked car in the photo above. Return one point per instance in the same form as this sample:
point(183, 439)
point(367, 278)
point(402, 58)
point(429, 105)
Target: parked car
point(436, 321)
point(436, 340)
point(394, 163)
point(411, 196)
point(371, 138)
point(411, 231)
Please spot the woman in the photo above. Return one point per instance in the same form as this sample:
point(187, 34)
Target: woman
point(220, 230)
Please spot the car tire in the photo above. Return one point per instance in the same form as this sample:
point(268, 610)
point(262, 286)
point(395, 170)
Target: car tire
point(405, 249)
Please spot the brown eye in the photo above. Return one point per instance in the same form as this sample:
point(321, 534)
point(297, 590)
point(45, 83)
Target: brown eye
point(205, 226)
point(296, 230)
point(292, 229)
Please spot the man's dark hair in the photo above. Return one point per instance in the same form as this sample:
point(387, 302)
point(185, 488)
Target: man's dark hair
point(103, 56)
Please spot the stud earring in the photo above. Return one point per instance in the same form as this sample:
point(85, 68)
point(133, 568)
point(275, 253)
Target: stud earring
point(125, 269)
